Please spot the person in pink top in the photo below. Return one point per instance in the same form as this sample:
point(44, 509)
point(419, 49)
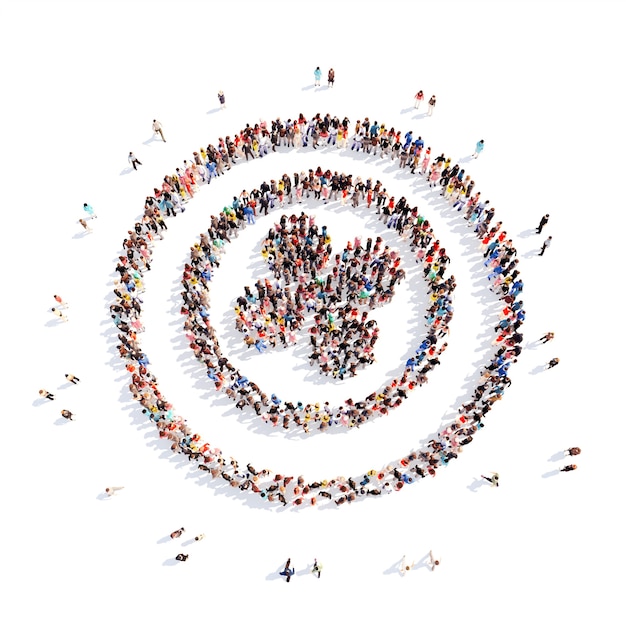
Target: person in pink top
point(419, 96)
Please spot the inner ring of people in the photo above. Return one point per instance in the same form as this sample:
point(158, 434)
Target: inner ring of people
point(293, 234)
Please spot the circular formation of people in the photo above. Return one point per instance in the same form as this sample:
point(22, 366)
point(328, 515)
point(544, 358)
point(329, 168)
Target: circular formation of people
point(328, 296)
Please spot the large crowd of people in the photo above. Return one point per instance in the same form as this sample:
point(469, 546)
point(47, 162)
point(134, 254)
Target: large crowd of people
point(297, 250)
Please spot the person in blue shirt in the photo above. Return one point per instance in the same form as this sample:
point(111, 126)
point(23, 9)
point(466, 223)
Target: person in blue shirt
point(287, 571)
point(318, 76)
point(408, 140)
point(479, 148)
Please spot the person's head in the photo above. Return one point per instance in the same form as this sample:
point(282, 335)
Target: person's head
point(436, 562)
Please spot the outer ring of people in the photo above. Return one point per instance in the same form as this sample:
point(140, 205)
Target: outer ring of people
point(257, 142)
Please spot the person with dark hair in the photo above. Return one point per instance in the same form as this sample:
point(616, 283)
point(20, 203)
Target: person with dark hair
point(542, 223)
point(318, 75)
point(222, 98)
point(182, 557)
point(494, 479)
point(546, 244)
point(479, 148)
point(177, 533)
point(67, 414)
point(287, 571)
point(331, 77)
point(157, 128)
point(419, 96)
point(133, 160)
point(72, 379)
point(433, 562)
point(317, 568)
point(89, 210)
point(552, 363)
point(572, 451)
point(431, 104)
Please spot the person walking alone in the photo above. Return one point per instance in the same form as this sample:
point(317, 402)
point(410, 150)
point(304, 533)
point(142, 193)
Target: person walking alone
point(287, 571)
point(222, 98)
point(133, 160)
point(331, 77)
point(480, 145)
point(547, 337)
point(542, 222)
point(110, 491)
point(433, 561)
point(157, 128)
point(546, 244)
point(431, 104)
point(494, 479)
point(317, 568)
point(58, 313)
point(318, 75)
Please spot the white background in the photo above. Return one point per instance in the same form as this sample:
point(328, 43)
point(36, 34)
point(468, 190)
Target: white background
point(540, 83)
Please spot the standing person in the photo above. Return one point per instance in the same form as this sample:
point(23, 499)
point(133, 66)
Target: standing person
point(59, 314)
point(331, 77)
point(573, 451)
point(317, 568)
point(419, 97)
point(494, 479)
point(288, 572)
point(552, 363)
point(60, 301)
point(177, 533)
point(542, 223)
point(157, 128)
point(89, 210)
point(46, 394)
point(404, 566)
point(433, 562)
point(110, 491)
point(318, 75)
point(222, 98)
point(479, 148)
point(182, 557)
point(546, 244)
point(133, 160)
point(72, 379)
point(68, 415)
point(431, 104)
point(84, 224)
point(568, 468)
point(547, 337)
